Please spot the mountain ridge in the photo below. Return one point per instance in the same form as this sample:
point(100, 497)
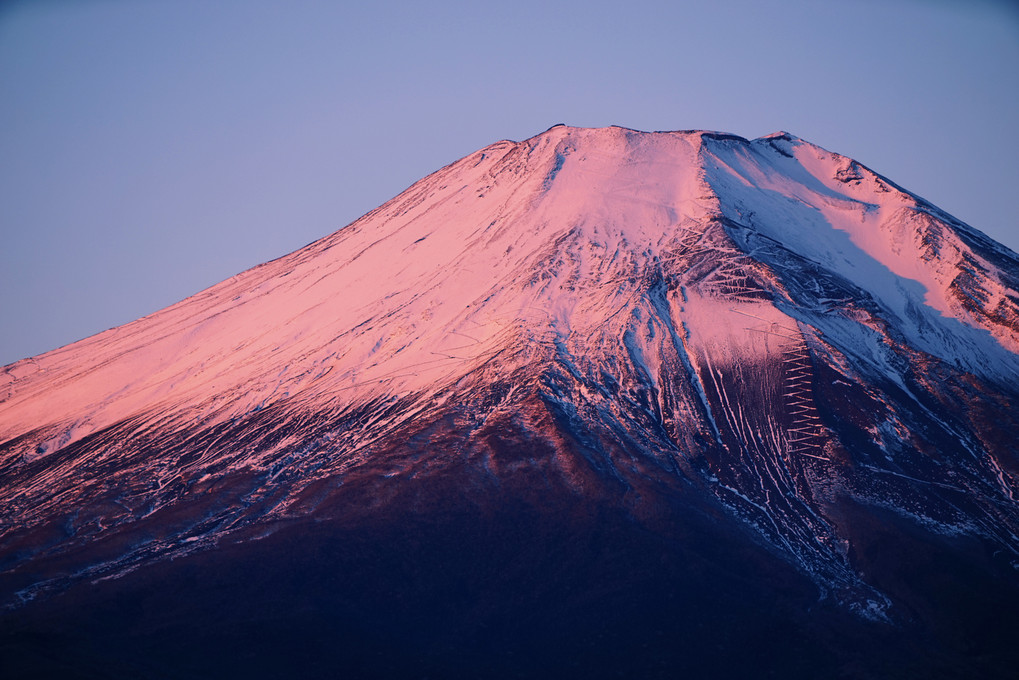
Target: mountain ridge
point(759, 334)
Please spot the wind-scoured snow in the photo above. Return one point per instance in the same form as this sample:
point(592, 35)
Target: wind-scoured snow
point(830, 210)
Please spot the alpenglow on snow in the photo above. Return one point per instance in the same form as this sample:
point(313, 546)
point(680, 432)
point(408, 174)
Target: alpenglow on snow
point(756, 345)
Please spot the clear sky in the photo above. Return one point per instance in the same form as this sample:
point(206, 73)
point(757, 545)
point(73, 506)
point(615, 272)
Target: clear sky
point(149, 149)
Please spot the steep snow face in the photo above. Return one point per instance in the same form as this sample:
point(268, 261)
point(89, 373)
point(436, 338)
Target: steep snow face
point(411, 295)
point(772, 324)
point(783, 195)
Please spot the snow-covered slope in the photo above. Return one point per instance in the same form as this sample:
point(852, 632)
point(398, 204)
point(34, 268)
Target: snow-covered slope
point(760, 324)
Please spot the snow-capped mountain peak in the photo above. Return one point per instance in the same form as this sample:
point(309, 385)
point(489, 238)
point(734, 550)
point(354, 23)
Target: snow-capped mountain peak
point(759, 330)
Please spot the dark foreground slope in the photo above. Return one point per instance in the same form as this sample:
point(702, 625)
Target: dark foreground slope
point(454, 591)
point(462, 573)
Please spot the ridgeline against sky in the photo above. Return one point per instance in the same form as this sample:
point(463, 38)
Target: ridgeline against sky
point(152, 149)
point(683, 391)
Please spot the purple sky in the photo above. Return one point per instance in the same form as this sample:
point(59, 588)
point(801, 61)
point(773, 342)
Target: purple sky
point(151, 149)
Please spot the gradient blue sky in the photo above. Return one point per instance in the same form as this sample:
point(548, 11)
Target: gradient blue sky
point(149, 149)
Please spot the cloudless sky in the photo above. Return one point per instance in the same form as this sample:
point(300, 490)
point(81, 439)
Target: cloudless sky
point(151, 148)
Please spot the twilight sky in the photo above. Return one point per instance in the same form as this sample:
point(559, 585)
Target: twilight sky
point(151, 149)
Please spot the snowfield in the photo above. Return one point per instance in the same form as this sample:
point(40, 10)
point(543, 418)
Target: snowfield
point(766, 324)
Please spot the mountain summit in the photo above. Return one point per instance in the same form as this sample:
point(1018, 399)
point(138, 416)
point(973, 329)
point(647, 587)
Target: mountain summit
point(599, 402)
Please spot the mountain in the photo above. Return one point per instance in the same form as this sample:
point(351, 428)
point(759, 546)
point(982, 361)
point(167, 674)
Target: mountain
point(602, 403)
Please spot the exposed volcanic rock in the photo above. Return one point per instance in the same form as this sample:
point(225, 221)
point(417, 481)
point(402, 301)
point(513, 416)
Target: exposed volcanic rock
point(598, 403)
